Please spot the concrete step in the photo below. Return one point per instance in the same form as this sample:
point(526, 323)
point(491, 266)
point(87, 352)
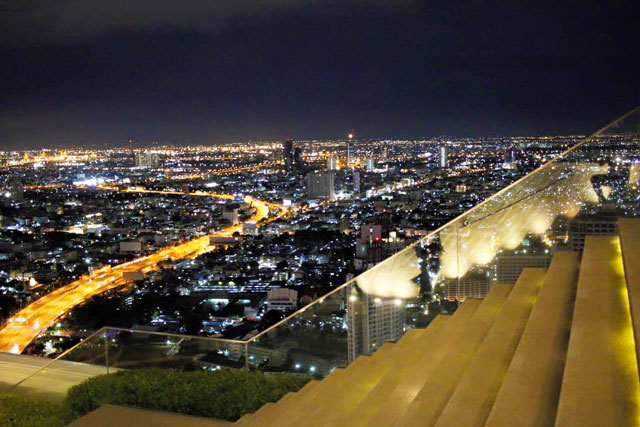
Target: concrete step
point(600, 385)
point(255, 418)
point(428, 403)
point(388, 401)
point(334, 412)
point(473, 397)
point(360, 380)
point(360, 375)
point(114, 415)
point(529, 392)
point(629, 232)
point(295, 407)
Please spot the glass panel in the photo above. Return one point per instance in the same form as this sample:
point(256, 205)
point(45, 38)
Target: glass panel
point(51, 381)
point(581, 192)
point(112, 349)
point(356, 319)
point(133, 349)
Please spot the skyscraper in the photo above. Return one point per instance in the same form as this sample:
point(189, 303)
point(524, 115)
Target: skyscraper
point(320, 185)
point(350, 138)
point(509, 159)
point(372, 321)
point(287, 154)
point(297, 158)
point(443, 161)
point(147, 159)
point(331, 163)
point(370, 164)
point(356, 183)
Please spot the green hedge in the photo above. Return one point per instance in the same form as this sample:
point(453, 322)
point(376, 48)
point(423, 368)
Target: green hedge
point(28, 412)
point(225, 394)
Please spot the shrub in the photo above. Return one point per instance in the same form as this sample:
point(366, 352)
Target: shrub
point(29, 412)
point(225, 394)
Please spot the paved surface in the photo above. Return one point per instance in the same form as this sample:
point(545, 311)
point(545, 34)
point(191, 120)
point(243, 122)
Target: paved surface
point(121, 416)
point(50, 383)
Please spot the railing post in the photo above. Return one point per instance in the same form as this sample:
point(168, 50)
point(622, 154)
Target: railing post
point(106, 351)
point(246, 356)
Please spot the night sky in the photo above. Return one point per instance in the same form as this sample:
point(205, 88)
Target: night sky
point(104, 72)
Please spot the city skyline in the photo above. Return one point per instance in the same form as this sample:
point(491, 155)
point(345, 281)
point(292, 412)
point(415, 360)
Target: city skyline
point(330, 213)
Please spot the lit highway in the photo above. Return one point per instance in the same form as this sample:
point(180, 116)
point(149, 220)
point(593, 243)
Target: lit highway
point(29, 322)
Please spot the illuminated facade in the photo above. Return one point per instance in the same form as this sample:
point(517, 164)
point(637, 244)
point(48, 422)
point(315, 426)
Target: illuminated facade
point(372, 322)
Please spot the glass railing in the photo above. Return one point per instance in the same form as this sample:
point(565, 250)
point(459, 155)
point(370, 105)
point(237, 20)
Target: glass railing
point(111, 349)
point(583, 191)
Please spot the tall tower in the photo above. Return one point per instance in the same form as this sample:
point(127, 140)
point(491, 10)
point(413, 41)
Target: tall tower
point(297, 158)
point(443, 161)
point(509, 159)
point(356, 183)
point(331, 163)
point(370, 164)
point(287, 154)
point(349, 140)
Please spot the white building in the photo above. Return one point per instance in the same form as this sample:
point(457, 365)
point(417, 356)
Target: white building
point(250, 228)
point(370, 164)
point(231, 216)
point(282, 299)
point(147, 159)
point(320, 185)
point(331, 163)
point(443, 160)
point(372, 321)
point(132, 246)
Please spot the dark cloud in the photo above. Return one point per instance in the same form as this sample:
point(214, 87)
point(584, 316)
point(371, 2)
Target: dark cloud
point(45, 22)
point(107, 72)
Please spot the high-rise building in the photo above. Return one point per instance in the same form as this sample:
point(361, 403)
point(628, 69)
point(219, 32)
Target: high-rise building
point(372, 321)
point(470, 286)
point(147, 159)
point(582, 226)
point(331, 163)
point(443, 160)
point(287, 154)
point(349, 140)
point(509, 264)
point(16, 191)
point(320, 185)
point(298, 162)
point(509, 159)
point(356, 183)
point(370, 164)
point(368, 247)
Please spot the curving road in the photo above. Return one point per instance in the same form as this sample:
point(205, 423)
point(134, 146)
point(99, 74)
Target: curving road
point(29, 322)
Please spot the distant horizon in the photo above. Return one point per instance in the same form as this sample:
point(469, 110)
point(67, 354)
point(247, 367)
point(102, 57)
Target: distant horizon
point(151, 144)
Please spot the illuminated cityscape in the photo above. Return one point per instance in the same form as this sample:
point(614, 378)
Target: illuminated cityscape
point(81, 218)
point(389, 213)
